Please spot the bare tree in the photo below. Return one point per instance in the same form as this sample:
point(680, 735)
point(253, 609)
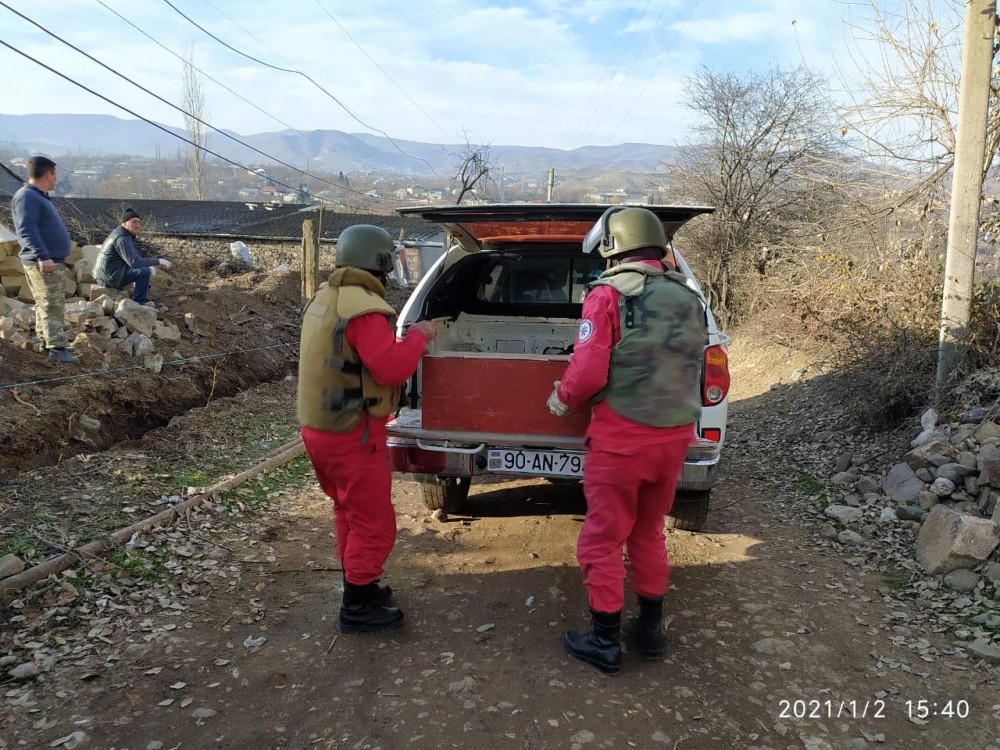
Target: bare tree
point(908, 62)
point(193, 92)
point(764, 155)
point(473, 166)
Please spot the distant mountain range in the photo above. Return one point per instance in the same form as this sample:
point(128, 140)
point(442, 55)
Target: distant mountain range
point(329, 150)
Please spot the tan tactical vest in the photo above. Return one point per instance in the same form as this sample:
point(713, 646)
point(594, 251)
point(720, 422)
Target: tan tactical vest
point(335, 388)
point(655, 372)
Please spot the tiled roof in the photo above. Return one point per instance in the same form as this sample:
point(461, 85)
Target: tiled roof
point(10, 181)
point(91, 219)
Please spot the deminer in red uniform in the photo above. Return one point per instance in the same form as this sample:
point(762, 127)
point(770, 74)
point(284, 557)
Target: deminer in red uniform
point(351, 371)
point(637, 360)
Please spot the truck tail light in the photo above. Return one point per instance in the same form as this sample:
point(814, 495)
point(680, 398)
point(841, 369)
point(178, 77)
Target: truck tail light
point(412, 459)
point(716, 385)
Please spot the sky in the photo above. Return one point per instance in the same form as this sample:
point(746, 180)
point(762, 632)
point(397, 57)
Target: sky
point(556, 73)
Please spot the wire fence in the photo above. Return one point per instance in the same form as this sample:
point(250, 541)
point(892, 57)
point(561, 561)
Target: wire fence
point(172, 361)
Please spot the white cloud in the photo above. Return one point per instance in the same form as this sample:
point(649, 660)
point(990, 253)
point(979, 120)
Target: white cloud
point(742, 27)
point(530, 73)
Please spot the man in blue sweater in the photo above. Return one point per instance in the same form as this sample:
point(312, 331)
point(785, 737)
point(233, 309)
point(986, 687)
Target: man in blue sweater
point(118, 264)
point(45, 244)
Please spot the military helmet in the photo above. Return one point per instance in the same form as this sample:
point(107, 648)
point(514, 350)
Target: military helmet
point(624, 228)
point(366, 246)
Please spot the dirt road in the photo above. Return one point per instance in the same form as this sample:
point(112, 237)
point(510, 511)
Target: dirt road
point(776, 641)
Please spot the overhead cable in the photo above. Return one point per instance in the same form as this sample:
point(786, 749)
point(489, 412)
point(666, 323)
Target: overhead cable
point(179, 109)
point(380, 70)
point(604, 71)
point(652, 74)
point(156, 125)
point(304, 75)
point(239, 96)
point(587, 132)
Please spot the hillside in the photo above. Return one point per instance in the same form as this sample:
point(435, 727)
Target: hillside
point(330, 150)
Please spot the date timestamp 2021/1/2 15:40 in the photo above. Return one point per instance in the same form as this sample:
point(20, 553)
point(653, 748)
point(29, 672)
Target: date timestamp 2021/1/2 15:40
point(918, 710)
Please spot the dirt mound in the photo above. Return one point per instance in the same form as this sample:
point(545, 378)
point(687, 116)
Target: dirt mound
point(250, 323)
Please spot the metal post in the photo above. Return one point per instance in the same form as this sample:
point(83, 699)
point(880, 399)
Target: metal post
point(967, 178)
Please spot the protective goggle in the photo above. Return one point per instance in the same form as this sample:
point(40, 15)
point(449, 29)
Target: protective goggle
point(599, 234)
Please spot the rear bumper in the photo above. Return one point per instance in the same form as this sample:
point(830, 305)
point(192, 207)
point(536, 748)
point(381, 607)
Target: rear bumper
point(699, 472)
point(425, 458)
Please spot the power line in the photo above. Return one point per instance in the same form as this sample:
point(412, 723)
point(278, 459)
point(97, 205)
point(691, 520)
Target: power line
point(638, 54)
point(652, 74)
point(260, 109)
point(304, 75)
point(611, 78)
point(171, 104)
point(604, 72)
point(249, 33)
point(135, 114)
point(379, 67)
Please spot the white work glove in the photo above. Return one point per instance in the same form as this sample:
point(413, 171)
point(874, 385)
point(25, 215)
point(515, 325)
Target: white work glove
point(556, 406)
point(166, 263)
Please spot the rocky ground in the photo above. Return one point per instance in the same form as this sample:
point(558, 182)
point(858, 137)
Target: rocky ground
point(218, 631)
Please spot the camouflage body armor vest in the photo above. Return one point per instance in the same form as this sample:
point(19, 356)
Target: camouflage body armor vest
point(335, 389)
point(655, 373)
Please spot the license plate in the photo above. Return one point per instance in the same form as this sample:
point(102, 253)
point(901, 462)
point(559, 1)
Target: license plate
point(535, 463)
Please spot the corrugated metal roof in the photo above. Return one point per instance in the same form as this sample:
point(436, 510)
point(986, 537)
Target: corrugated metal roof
point(92, 218)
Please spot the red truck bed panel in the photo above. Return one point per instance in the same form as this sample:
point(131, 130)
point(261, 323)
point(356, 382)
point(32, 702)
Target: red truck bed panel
point(497, 393)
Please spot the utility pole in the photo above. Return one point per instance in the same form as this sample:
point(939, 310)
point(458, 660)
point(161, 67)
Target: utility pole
point(550, 183)
point(967, 183)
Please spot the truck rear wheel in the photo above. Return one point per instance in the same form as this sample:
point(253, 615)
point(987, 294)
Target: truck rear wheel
point(690, 511)
point(446, 493)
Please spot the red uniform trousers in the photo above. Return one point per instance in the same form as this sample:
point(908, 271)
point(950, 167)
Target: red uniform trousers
point(629, 489)
point(357, 478)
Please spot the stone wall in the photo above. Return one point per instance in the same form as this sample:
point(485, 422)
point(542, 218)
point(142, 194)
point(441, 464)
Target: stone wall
point(266, 254)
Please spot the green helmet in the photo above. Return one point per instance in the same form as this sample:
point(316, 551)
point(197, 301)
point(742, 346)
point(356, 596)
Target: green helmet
point(366, 246)
point(622, 228)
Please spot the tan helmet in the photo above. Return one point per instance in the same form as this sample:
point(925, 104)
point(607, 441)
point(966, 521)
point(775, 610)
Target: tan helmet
point(366, 246)
point(624, 228)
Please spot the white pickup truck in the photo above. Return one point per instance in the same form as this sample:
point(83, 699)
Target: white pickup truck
point(507, 297)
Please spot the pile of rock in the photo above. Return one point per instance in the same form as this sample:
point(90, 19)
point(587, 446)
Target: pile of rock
point(956, 466)
point(14, 291)
point(98, 319)
point(102, 325)
point(946, 491)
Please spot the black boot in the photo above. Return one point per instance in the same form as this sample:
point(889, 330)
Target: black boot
point(377, 592)
point(381, 594)
point(602, 646)
point(361, 614)
point(645, 632)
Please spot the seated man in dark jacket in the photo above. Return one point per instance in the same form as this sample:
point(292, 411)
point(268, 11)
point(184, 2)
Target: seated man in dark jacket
point(118, 264)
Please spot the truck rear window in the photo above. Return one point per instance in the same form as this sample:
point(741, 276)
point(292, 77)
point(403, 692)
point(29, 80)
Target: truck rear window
point(537, 280)
point(539, 283)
